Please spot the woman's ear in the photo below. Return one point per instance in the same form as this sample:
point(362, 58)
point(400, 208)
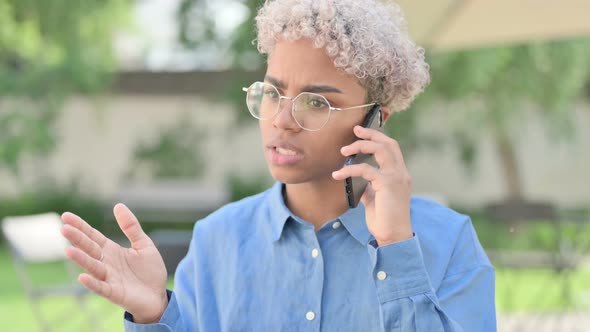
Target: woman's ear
point(386, 113)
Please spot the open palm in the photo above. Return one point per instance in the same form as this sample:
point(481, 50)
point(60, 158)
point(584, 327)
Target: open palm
point(133, 278)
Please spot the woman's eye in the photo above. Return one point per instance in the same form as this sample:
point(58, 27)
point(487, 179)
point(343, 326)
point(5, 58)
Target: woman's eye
point(317, 103)
point(271, 93)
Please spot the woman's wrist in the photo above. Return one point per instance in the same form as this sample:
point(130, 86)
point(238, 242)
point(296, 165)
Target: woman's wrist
point(152, 318)
point(395, 238)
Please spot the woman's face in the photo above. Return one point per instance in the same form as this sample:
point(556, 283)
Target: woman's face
point(295, 155)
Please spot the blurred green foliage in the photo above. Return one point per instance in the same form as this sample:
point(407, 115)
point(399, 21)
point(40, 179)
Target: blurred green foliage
point(49, 50)
point(176, 153)
point(240, 187)
point(571, 231)
point(16, 313)
point(198, 28)
point(491, 90)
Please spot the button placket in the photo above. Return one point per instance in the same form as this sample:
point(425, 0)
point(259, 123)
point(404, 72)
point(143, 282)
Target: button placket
point(315, 279)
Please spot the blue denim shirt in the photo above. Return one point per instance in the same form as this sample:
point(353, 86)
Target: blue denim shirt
point(254, 266)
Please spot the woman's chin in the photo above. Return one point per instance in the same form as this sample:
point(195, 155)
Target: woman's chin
point(289, 176)
point(298, 176)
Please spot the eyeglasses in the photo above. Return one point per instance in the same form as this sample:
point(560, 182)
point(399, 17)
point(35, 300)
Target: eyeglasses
point(310, 111)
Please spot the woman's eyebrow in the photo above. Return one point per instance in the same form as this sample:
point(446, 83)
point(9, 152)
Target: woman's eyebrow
point(320, 89)
point(308, 88)
point(276, 82)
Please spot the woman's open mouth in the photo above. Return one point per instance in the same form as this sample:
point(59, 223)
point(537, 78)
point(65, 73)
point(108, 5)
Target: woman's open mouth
point(284, 155)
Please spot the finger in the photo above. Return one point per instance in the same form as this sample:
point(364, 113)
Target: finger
point(131, 227)
point(371, 134)
point(383, 155)
point(363, 170)
point(81, 241)
point(380, 137)
point(361, 146)
point(93, 266)
point(98, 287)
point(79, 223)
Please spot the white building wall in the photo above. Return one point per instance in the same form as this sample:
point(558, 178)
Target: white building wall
point(98, 138)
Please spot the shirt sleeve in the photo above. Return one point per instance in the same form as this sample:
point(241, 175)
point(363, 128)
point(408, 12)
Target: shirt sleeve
point(464, 302)
point(168, 322)
point(181, 313)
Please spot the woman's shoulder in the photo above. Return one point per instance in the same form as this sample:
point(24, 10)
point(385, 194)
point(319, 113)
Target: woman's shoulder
point(233, 216)
point(426, 212)
point(446, 235)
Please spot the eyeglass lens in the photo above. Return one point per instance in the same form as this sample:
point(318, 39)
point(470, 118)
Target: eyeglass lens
point(310, 111)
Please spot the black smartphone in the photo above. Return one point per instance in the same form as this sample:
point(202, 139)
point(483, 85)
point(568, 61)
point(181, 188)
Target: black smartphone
point(355, 186)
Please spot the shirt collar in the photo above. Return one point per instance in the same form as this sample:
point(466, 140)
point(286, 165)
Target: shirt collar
point(279, 213)
point(353, 219)
point(355, 223)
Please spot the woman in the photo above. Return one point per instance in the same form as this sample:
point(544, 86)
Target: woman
point(296, 257)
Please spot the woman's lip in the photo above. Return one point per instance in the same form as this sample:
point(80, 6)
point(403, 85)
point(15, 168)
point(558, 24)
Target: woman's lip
point(286, 146)
point(278, 159)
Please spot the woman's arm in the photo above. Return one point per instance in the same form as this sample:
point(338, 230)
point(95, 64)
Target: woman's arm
point(464, 301)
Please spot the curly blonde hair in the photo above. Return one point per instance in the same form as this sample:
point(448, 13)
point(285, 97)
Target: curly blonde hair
point(365, 38)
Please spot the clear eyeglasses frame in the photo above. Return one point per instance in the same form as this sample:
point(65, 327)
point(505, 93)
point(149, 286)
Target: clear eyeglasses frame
point(311, 111)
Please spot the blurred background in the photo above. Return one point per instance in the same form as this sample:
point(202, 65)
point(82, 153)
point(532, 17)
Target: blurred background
point(140, 102)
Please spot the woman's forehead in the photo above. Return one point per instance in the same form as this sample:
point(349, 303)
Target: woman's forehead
point(315, 87)
point(301, 52)
point(298, 64)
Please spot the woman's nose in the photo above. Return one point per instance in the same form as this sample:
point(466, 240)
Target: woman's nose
point(284, 118)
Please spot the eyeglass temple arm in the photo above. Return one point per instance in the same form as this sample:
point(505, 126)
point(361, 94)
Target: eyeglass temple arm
point(350, 108)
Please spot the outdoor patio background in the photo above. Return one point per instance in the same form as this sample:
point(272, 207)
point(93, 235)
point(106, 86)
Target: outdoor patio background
point(110, 144)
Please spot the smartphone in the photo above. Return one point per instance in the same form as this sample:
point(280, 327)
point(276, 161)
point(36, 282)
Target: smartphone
point(355, 186)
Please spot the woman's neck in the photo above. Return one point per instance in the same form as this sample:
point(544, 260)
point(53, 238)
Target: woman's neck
point(316, 202)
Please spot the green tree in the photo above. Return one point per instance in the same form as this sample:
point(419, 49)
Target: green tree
point(48, 51)
point(175, 155)
point(198, 29)
point(495, 87)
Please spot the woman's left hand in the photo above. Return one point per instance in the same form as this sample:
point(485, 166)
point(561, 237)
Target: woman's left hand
point(387, 197)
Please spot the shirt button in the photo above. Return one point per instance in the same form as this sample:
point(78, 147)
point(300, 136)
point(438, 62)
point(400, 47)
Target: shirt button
point(315, 253)
point(310, 315)
point(336, 225)
point(381, 275)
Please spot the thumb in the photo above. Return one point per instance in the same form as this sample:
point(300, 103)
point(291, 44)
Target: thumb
point(131, 227)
